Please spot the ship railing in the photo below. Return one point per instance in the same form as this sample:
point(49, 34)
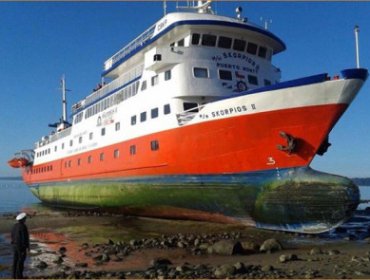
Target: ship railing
point(53, 137)
point(186, 116)
point(108, 88)
point(128, 49)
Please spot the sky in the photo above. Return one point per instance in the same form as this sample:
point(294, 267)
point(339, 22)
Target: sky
point(41, 41)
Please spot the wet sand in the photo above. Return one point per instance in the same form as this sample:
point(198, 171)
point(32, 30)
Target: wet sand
point(73, 244)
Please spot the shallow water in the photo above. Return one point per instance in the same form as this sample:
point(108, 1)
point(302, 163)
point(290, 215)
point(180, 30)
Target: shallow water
point(14, 195)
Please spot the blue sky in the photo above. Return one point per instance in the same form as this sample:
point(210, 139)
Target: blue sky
point(40, 41)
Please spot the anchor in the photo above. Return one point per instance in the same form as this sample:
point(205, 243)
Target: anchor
point(290, 145)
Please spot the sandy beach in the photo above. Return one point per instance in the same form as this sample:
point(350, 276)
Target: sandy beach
point(73, 244)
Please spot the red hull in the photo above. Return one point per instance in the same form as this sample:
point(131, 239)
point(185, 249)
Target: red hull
point(239, 144)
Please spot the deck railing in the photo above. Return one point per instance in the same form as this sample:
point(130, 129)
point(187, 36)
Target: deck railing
point(133, 45)
point(186, 116)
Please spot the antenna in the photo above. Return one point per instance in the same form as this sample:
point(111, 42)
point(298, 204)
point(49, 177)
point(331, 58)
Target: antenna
point(357, 30)
point(64, 99)
point(266, 22)
point(164, 7)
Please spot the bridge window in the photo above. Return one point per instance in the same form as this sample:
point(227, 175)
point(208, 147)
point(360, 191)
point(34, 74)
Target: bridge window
point(224, 42)
point(267, 82)
point(181, 43)
point(252, 48)
point(225, 75)
point(200, 72)
point(252, 80)
point(195, 39)
point(209, 40)
point(262, 52)
point(239, 45)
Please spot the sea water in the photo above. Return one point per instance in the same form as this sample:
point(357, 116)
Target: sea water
point(15, 195)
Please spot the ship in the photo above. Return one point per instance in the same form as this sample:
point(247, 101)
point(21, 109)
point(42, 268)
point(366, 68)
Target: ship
point(192, 121)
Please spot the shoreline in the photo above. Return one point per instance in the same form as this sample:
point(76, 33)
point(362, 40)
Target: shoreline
point(94, 245)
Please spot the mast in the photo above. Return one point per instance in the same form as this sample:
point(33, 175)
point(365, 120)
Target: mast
point(357, 30)
point(64, 99)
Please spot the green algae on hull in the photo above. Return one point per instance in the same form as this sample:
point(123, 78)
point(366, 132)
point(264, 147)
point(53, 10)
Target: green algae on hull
point(297, 199)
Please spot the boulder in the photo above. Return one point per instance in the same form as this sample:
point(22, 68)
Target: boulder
point(225, 271)
point(271, 245)
point(249, 247)
point(226, 247)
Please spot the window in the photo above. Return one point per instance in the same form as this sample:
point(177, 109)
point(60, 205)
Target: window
point(91, 135)
point(69, 163)
point(262, 52)
point(132, 150)
point(269, 55)
point(154, 113)
point(118, 126)
point(79, 162)
point(167, 75)
point(143, 117)
point(195, 39)
point(116, 153)
point(192, 107)
point(154, 80)
point(80, 139)
point(154, 145)
point(267, 82)
point(101, 156)
point(55, 148)
point(181, 43)
point(70, 143)
point(166, 109)
point(62, 146)
point(200, 72)
point(239, 45)
point(209, 40)
point(143, 86)
point(252, 80)
point(103, 131)
point(89, 159)
point(225, 75)
point(133, 120)
point(252, 48)
point(224, 42)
